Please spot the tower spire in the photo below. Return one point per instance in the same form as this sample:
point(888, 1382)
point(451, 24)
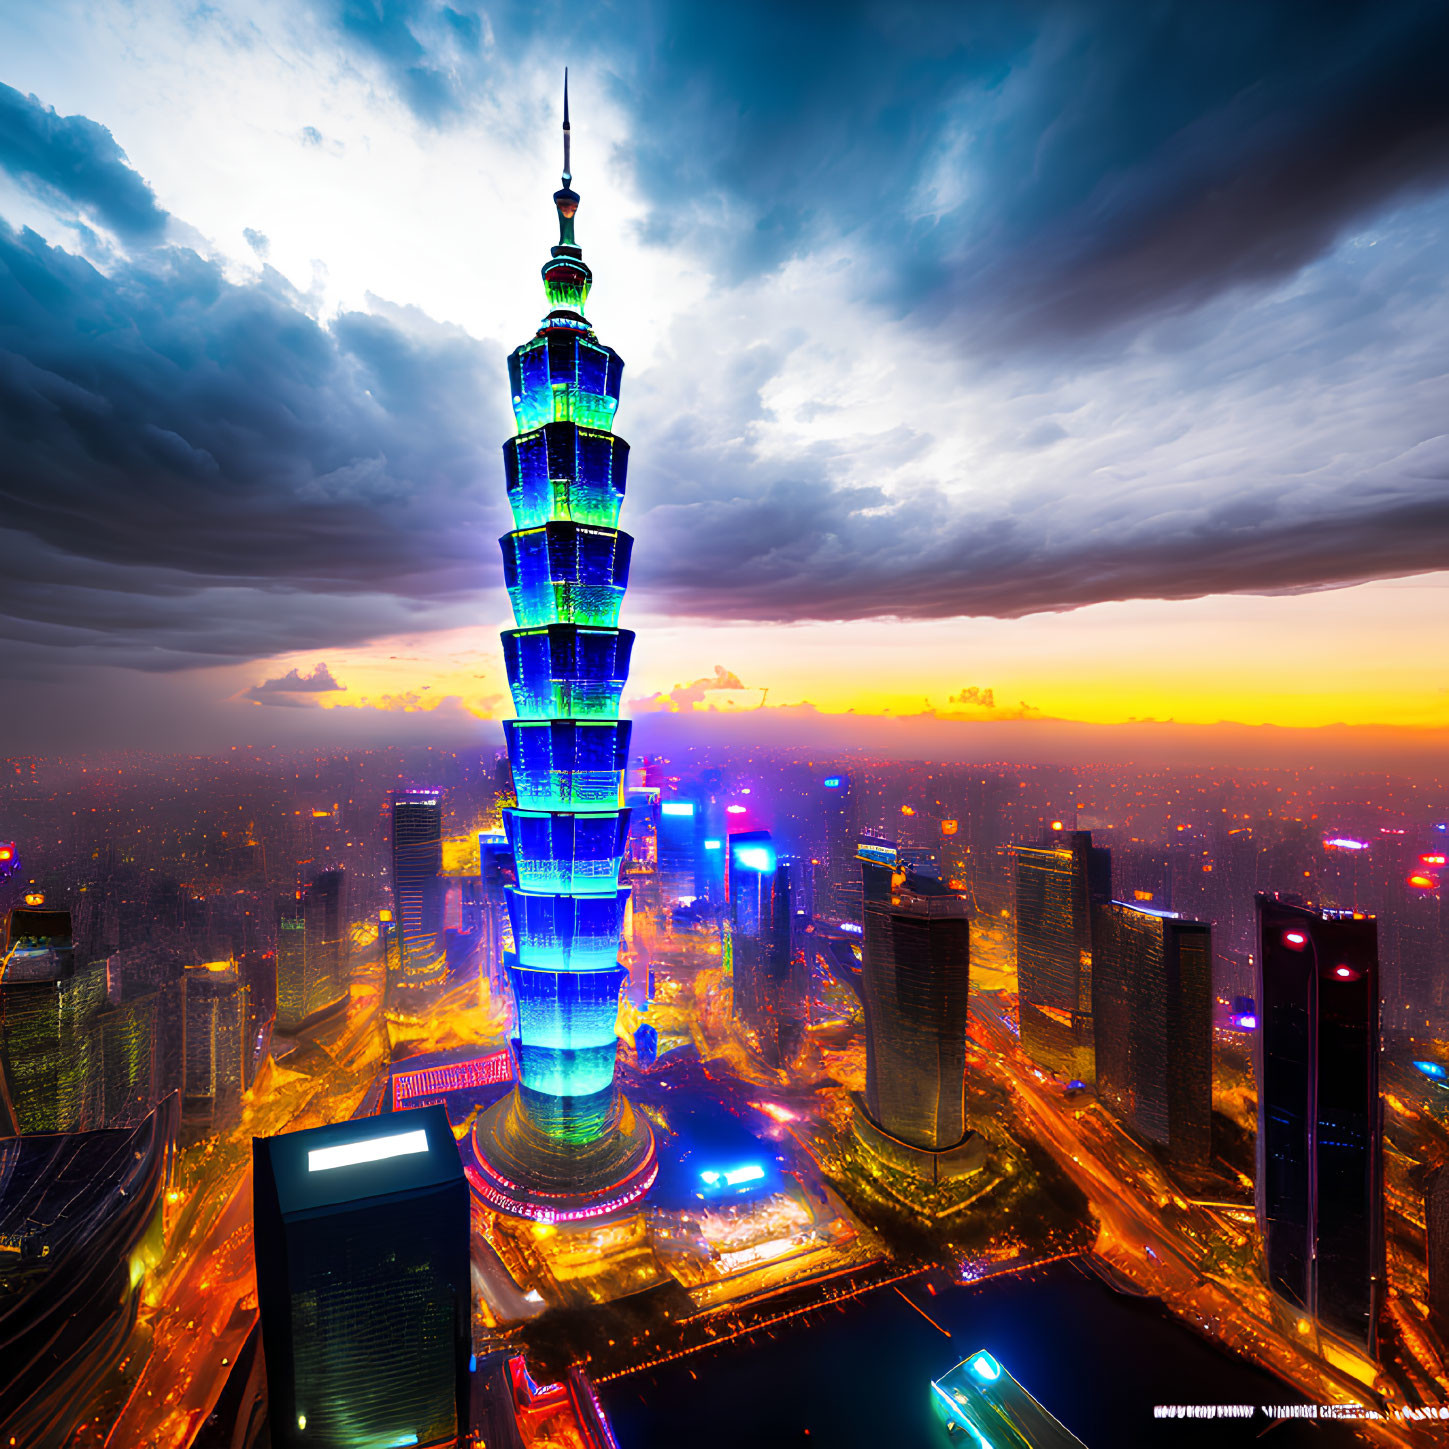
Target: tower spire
point(566, 199)
point(567, 174)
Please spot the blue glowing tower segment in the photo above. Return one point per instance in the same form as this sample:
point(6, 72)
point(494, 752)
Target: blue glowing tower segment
point(567, 671)
point(564, 471)
point(566, 573)
point(564, 764)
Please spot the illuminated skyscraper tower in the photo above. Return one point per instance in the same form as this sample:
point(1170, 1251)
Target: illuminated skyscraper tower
point(564, 1143)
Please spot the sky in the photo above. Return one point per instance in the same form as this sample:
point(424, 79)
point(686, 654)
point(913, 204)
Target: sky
point(985, 365)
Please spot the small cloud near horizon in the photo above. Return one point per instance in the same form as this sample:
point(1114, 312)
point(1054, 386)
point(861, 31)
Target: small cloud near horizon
point(284, 689)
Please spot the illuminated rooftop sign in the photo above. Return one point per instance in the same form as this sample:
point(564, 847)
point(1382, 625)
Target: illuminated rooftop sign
point(1342, 842)
point(676, 807)
point(368, 1149)
point(834, 782)
point(755, 857)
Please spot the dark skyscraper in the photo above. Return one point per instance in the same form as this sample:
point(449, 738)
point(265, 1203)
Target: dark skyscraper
point(217, 1023)
point(1057, 884)
point(417, 888)
point(915, 987)
point(1152, 996)
point(769, 991)
point(1436, 1246)
point(1320, 1166)
point(364, 1281)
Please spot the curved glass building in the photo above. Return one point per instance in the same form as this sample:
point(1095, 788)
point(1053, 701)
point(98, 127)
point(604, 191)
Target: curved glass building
point(565, 1144)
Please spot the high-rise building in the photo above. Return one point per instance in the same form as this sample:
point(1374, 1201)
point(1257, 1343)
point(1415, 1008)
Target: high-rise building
point(1152, 1000)
point(1436, 1246)
point(217, 1022)
point(364, 1281)
point(496, 874)
point(1057, 884)
point(1320, 1185)
point(312, 954)
point(680, 824)
point(46, 1011)
point(565, 1142)
point(837, 876)
point(770, 984)
point(417, 893)
point(915, 987)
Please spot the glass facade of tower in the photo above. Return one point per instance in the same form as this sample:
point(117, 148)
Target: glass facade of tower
point(565, 1135)
point(1057, 884)
point(916, 982)
point(364, 1283)
point(770, 986)
point(1152, 996)
point(417, 891)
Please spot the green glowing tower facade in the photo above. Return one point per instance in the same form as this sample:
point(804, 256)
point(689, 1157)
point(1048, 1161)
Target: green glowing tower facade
point(565, 1144)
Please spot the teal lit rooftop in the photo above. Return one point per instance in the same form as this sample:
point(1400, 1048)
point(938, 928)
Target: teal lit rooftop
point(983, 1407)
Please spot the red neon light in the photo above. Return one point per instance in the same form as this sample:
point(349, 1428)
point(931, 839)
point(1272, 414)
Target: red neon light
point(1296, 939)
point(457, 1077)
point(1345, 973)
point(1424, 882)
point(1423, 859)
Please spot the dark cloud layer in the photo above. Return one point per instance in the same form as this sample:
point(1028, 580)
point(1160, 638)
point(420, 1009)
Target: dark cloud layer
point(71, 158)
point(199, 470)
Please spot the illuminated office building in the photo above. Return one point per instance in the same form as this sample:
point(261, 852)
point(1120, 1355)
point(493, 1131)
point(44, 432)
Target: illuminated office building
point(915, 987)
point(1057, 884)
point(364, 1281)
point(680, 823)
point(496, 874)
point(46, 1011)
point(565, 1143)
point(1152, 1000)
point(1320, 1186)
point(312, 956)
point(769, 983)
point(837, 877)
point(417, 894)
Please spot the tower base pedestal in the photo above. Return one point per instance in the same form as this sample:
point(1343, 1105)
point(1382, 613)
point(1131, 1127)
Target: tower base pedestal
point(521, 1170)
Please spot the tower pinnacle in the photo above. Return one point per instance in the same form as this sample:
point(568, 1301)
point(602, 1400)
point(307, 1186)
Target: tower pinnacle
point(566, 199)
point(567, 175)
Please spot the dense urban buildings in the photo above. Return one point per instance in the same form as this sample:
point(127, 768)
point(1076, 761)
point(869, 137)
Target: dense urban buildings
point(1320, 1178)
point(364, 1281)
point(1152, 1021)
point(1058, 883)
point(565, 1142)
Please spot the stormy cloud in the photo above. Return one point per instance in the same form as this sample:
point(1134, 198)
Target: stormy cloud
point(998, 309)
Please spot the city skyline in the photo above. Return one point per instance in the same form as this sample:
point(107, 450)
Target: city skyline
point(1141, 479)
point(989, 880)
